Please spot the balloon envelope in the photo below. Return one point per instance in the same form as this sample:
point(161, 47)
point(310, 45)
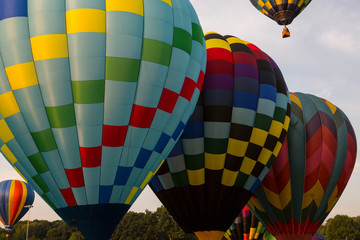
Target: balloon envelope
point(229, 144)
point(318, 236)
point(246, 226)
point(281, 11)
point(310, 172)
point(93, 96)
point(16, 197)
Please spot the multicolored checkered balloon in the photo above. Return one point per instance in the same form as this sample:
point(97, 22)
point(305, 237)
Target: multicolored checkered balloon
point(93, 96)
point(230, 142)
point(310, 172)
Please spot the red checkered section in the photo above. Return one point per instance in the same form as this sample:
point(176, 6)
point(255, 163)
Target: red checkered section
point(188, 88)
point(75, 177)
point(219, 53)
point(114, 136)
point(68, 196)
point(90, 156)
point(219, 66)
point(200, 81)
point(168, 100)
point(244, 57)
point(141, 116)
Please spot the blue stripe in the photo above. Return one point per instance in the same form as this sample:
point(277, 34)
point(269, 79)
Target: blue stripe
point(177, 150)
point(161, 144)
point(245, 100)
point(13, 8)
point(142, 158)
point(268, 92)
point(105, 194)
point(193, 130)
point(122, 175)
point(156, 184)
point(178, 130)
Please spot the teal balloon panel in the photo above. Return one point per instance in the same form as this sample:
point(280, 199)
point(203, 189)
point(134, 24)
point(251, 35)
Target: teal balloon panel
point(93, 96)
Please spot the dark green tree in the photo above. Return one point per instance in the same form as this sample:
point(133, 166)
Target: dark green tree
point(342, 227)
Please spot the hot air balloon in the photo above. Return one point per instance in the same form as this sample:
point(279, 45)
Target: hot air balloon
point(230, 142)
point(310, 172)
point(93, 96)
point(247, 227)
point(15, 199)
point(318, 236)
point(281, 11)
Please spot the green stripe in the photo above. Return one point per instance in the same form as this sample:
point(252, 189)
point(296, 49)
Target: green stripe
point(180, 179)
point(195, 162)
point(215, 146)
point(182, 40)
point(48, 201)
point(122, 69)
point(61, 116)
point(156, 51)
point(38, 162)
point(40, 183)
point(88, 92)
point(44, 140)
point(279, 114)
point(262, 121)
point(197, 33)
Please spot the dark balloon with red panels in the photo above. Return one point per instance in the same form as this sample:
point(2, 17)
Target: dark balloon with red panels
point(16, 197)
point(231, 140)
point(310, 172)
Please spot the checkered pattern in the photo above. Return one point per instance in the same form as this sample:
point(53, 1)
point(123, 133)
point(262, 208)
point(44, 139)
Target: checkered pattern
point(304, 182)
point(229, 144)
point(270, 8)
point(94, 94)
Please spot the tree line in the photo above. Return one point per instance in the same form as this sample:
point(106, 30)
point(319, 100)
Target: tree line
point(158, 225)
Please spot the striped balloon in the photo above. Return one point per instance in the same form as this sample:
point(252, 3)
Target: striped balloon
point(14, 195)
point(230, 142)
point(281, 11)
point(93, 96)
point(311, 171)
point(247, 227)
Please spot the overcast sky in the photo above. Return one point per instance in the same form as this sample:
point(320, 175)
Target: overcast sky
point(321, 57)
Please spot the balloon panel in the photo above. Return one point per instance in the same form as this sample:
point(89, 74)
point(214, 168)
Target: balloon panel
point(281, 11)
point(94, 94)
point(14, 195)
point(233, 136)
point(311, 170)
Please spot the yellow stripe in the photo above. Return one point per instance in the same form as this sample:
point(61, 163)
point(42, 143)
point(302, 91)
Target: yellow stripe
point(264, 156)
point(280, 201)
point(296, 100)
point(168, 2)
point(49, 46)
point(23, 199)
point(255, 204)
point(237, 147)
point(232, 40)
point(247, 165)
point(279, 2)
point(22, 75)
point(217, 43)
point(268, 5)
point(286, 122)
point(290, 1)
point(316, 194)
point(11, 198)
point(131, 195)
point(8, 105)
point(17, 170)
point(277, 148)
point(332, 200)
point(131, 6)
point(260, 3)
point(258, 136)
point(85, 20)
point(214, 161)
point(276, 128)
point(252, 233)
point(147, 179)
point(229, 177)
point(196, 177)
point(5, 132)
point(332, 107)
point(8, 154)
